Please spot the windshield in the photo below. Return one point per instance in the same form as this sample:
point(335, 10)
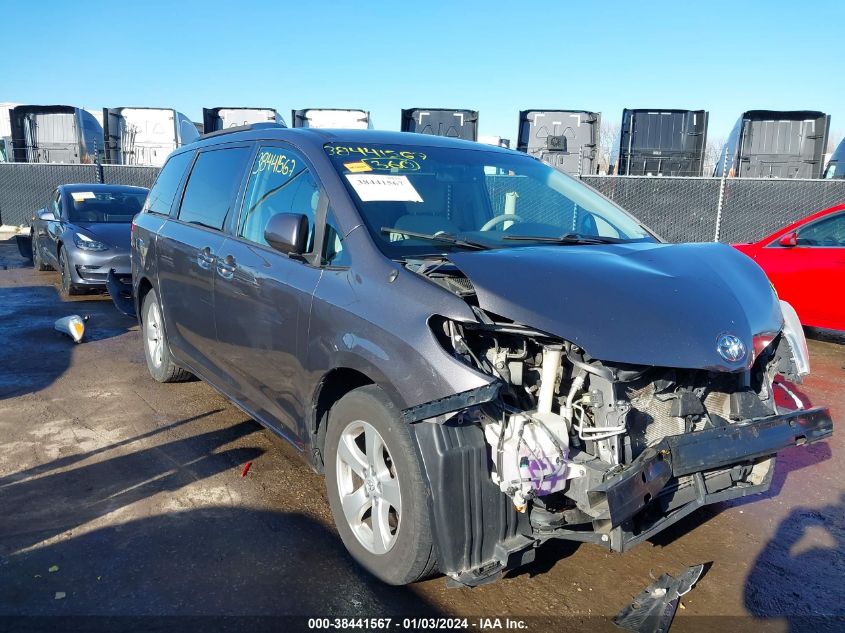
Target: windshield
point(105, 206)
point(486, 199)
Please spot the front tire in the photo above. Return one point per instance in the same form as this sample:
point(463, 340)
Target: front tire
point(156, 350)
point(68, 289)
point(376, 489)
point(37, 261)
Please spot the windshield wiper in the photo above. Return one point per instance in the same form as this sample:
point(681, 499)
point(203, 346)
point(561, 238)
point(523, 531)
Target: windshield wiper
point(569, 238)
point(446, 238)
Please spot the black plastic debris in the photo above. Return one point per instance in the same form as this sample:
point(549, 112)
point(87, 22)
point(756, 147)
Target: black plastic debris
point(654, 608)
point(24, 243)
point(120, 291)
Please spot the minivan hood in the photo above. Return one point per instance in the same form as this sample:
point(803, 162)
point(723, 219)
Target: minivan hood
point(116, 234)
point(642, 303)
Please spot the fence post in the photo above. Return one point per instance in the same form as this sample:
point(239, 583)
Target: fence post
point(98, 164)
point(722, 186)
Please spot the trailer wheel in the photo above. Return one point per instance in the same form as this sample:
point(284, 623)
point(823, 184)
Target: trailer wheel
point(376, 488)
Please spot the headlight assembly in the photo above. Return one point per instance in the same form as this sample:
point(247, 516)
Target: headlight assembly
point(794, 335)
point(87, 244)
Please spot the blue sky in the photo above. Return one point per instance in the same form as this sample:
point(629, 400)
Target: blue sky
point(494, 57)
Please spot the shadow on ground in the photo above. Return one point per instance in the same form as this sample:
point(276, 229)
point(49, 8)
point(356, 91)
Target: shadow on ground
point(791, 577)
point(548, 555)
point(57, 500)
point(214, 560)
point(34, 354)
point(211, 559)
point(12, 249)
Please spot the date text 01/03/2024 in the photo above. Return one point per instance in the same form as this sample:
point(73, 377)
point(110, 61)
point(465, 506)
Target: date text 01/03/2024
point(414, 624)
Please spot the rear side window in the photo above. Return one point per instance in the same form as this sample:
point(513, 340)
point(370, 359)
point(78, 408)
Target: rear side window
point(212, 185)
point(164, 190)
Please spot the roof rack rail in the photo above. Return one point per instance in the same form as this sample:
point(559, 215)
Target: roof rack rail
point(243, 128)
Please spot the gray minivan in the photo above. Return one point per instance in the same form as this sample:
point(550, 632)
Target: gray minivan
point(480, 352)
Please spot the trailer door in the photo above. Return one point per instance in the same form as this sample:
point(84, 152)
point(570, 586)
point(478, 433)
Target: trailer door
point(779, 149)
point(52, 137)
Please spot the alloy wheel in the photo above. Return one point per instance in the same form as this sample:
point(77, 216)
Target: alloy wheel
point(154, 335)
point(64, 272)
point(368, 487)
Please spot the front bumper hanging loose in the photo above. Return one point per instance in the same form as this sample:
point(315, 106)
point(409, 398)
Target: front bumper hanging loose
point(479, 533)
point(120, 290)
point(621, 496)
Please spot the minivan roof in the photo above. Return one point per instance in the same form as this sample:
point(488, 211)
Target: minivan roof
point(320, 136)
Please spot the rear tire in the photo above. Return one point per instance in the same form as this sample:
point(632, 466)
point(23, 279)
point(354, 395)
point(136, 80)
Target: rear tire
point(156, 350)
point(376, 489)
point(68, 289)
point(37, 261)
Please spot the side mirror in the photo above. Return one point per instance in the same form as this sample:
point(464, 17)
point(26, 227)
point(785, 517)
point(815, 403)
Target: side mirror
point(45, 215)
point(789, 240)
point(287, 233)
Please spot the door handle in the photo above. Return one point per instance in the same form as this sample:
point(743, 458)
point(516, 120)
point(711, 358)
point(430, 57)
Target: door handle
point(226, 267)
point(205, 258)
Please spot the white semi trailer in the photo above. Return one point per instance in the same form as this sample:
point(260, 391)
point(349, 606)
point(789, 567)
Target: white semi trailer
point(498, 141)
point(145, 136)
point(6, 131)
point(214, 119)
point(332, 118)
point(54, 134)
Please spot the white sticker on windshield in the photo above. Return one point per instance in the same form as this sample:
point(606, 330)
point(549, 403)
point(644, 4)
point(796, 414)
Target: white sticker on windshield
point(383, 188)
point(79, 196)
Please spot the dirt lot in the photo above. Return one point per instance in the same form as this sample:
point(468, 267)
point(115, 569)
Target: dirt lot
point(134, 491)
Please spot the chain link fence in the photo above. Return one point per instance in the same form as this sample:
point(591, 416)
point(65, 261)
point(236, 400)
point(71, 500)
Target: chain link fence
point(753, 208)
point(25, 187)
point(135, 175)
point(730, 210)
point(679, 209)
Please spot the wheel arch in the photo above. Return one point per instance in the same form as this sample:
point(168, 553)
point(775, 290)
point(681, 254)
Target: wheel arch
point(335, 383)
point(144, 286)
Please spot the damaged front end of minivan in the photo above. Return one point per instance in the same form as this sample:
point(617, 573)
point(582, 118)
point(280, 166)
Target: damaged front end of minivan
point(562, 444)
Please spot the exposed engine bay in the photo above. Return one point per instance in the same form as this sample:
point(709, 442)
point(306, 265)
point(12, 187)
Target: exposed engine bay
point(589, 449)
point(559, 406)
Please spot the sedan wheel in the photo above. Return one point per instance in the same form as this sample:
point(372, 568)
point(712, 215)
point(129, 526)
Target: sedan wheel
point(68, 289)
point(37, 262)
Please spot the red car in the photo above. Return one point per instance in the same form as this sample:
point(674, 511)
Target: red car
point(806, 264)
